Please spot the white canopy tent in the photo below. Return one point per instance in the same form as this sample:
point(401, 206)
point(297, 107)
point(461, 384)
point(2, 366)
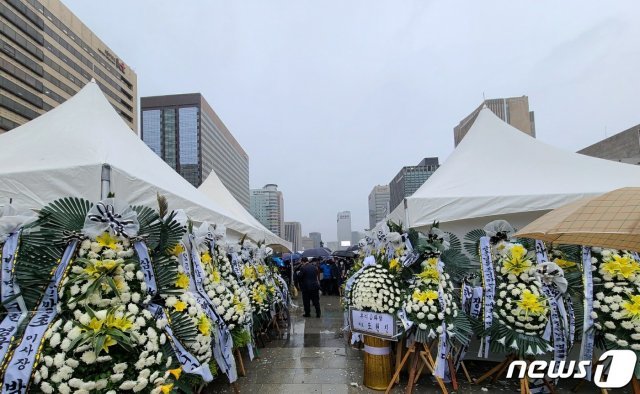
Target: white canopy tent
point(64, 152)
point(498, 172)
point(213, 188)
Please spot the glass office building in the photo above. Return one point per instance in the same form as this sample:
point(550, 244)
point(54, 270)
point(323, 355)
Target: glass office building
point(185, 131)
point(47, 55)
point(409, 179)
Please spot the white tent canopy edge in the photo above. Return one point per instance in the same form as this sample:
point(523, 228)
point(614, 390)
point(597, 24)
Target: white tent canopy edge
point(62, 152)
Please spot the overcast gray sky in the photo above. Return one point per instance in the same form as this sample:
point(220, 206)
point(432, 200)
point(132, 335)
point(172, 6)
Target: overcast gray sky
point(330, 98)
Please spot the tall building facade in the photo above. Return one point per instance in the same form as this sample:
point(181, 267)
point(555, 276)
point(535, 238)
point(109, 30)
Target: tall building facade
point(293, 234)
point(378, 204)
point(409, 179)
point(185, 131)
point(317, 239)
point(47, 55)
point(306, 243)
point(267, 205)
point(513, 110)
point(623, 147)
point(344, 228)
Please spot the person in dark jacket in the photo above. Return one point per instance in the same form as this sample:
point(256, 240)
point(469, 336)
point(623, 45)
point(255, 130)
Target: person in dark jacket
point(309, 284)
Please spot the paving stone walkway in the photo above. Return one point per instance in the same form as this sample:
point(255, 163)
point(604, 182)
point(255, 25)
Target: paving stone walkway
point(313, 357)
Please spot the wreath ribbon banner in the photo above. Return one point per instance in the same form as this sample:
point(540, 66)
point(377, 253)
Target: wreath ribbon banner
point(223, 342)
point(489, 282)
point(588, 335)
point(19, 368)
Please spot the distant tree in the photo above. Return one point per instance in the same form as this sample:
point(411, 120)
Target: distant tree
point(321, 244)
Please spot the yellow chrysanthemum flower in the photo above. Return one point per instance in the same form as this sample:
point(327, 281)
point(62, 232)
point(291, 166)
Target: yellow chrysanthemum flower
point(394, 264)
point(531, 304)
point(621, 265)
point(429, 273)
point(176, 372)
point(564, 263)
point(177, 250)
point(424, 296)
point(180, 306)
point(107, 241)
point(166, 388)
point(631, 308)
point(121, 323)
point(183, 281)
point(108, 342)
point(518, 251)
point(215, 276)
point(206, 258)
point(95, 324)
point(204, 325)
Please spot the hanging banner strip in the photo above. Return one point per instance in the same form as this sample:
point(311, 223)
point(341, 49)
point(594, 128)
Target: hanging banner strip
point(572, 321)
point(489, 281)
point(441, 362)
point(20, 366)
point(223, 341)
point(16, 309)
point(189, 362)
point(9, 288)
point(559, 338)
point(235, 264)
point(588, 336)
point(146, 267)
point(541, 252)
point(185, 263)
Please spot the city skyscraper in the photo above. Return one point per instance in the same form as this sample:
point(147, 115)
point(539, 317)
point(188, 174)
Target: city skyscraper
point(344, 228)
point(623, 147)
point(378, 204)
point(293, 234)
point(409, 179)
point(306, 243)
point(267, 205)
point(186, 132)
point(513, 110)
point(317, 239)
point(47, 55)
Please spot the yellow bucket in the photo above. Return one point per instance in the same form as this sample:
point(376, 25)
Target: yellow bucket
point(377, 363)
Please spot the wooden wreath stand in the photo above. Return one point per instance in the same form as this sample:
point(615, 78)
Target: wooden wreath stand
point(496, 372)
point(377, 367)
point(422, 358)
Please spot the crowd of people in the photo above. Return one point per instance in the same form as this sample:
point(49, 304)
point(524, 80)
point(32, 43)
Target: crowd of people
point(314, 275)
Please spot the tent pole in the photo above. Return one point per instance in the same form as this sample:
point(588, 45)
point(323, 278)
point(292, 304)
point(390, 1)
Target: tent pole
point(406, 215)
point(105, 181)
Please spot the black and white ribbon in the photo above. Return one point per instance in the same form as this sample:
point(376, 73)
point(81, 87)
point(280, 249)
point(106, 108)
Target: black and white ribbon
point(10, 291)
point(20, 365)
point(471, 304)
point(146, 267)
point(188, 361)
point(489, 282)
point(588, 335)
point(16, 309)
point(111, 216)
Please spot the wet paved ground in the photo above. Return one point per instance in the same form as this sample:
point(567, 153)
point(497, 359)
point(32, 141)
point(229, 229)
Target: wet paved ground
point(313, 357)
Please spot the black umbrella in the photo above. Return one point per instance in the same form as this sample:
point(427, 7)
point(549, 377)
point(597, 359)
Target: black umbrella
point(344, 253)
point(353, 248)
point(317, 252)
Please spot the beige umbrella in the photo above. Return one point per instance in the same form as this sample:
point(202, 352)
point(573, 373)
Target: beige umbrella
point(611, 220)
